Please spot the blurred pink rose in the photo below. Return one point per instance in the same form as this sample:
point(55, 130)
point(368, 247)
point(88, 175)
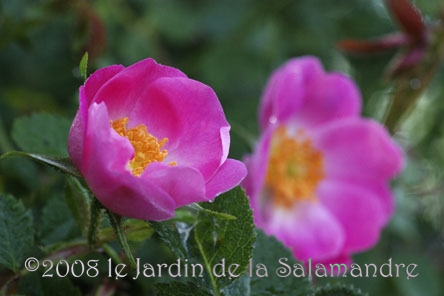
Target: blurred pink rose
point(318, 178)
point(147, 139)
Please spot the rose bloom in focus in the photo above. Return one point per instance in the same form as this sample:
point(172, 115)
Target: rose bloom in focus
point(319, 175)
point(147, 140)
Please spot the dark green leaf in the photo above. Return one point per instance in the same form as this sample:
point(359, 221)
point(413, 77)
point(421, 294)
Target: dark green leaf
point(33, 284)
point(171, 289)
point(42, 134)
point(57, 222)
point(268, 252)
point(217, 242)
point(338, 290)
point(16, 232)
point(221, 240)
point(238, 287)
point(63, 165)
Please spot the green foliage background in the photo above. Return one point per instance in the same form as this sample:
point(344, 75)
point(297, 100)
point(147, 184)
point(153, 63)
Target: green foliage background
point(233, 46)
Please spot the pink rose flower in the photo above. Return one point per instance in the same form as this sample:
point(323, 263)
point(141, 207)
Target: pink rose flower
point(147, 140)
point(318, 178)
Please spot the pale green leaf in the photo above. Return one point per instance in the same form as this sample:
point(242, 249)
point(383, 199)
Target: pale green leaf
point(83, 66)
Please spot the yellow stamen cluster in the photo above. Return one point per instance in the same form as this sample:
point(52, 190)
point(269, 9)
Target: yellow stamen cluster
point(147, 148)
point(295, 168)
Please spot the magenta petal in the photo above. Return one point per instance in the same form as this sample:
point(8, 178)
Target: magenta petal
point(184, 184)
point(77, 131)
point(124, 89)
point(359, 149)
point(328, 263)
point(229, 175)
point(86, 95)
point(189, 114)
point(359, 212)
point(308, 229)
point(257, 167)
point(330, 97)
point(98, 79)
point(105, 160)
point(287, 88)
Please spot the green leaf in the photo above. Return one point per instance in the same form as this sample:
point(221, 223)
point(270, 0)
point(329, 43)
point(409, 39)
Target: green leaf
point(57, 223)
point(83, 67)
point(218, 242)
point(77, 198)
point(95, 210)
point(338, 290)
point(273, 284)
point(116, 222)
point(171, 289)
point(33, 284)
point(42, 133)
point(63, 165)
point(238, 287)
point(135, 230)
point(222, 239)
point(16, 232)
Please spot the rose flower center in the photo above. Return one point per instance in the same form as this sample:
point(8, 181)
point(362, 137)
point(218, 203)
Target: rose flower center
point(147, 148)
point(295, 168)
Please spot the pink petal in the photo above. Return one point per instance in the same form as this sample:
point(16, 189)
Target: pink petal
point(308, 229)
point(189, 114)
point(330, 97)
point(287, 88)
point(257, 164)
point(359, 149)
point(105, 160)
point(122, 91)
point(359, 212)
point(77, 131)
point(98, 79)
point(229, 175)
point(184, 184)
point(332, 270)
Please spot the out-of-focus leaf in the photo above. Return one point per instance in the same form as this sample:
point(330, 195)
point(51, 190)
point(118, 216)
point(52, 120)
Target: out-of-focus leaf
point(33, 284)
point(42, 134)
point(57, 223)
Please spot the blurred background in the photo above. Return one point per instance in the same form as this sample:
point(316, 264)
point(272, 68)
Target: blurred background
point(233, 46)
